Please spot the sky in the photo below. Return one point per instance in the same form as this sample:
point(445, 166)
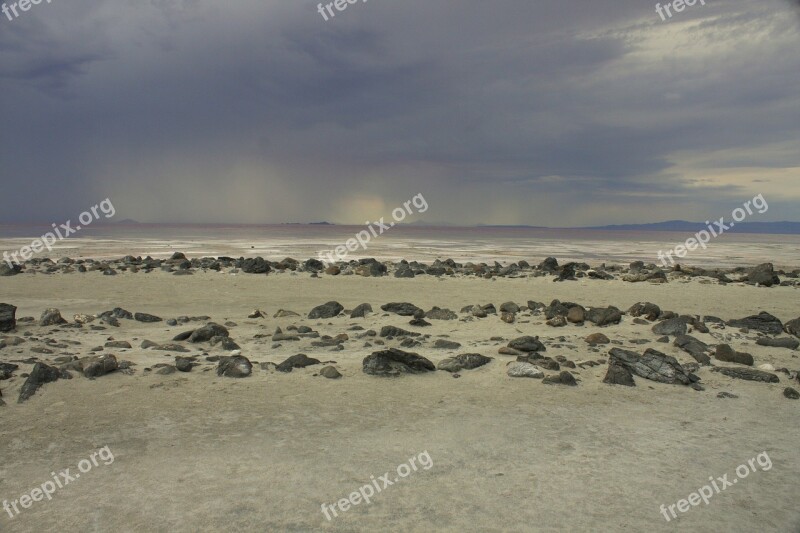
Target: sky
point(542, 112)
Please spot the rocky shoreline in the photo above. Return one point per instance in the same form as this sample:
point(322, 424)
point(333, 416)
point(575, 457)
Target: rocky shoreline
point(178, 264)
point(684, 349)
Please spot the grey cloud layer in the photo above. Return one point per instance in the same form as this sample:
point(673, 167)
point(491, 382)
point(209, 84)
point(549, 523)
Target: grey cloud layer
point(547, 112)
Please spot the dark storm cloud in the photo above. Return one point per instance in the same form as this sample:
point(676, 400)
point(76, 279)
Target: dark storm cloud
point(502, 112)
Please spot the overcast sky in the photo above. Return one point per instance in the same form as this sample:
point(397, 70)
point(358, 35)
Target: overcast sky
point(542, 112)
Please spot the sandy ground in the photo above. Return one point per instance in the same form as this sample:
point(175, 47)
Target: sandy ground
point(196, 452)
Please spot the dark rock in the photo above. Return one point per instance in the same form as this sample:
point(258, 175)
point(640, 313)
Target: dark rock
point(8, 319)
point(300, 360)
point(763, 322)
point(184, 364)
point(326, 310)
point(394, 362)
point(51, 317)
point(94, 367)
point(764, 274)
point(597, 338)
point(647, 310)
point(672, 326)
point(791, 393)
point(619, 374)
point(361, 311)
point(440, 314)
point(549, 265)
point(696, 348)
point(464, 361)
point(40, 375)
point(330, 372)
point(792, 327)
point(601, 316)
point(183, 336)
point(166, 370)
point(207, 332)
point(392, 331)
point(652, 365)
point(527, 344)
point(6, 270)
point(782, 342)
point(729, 355)
point(509, 307)
point(724, 394)
point(144, 317)
point(420, 323)
point(118, 344)
point(234, 367)
point(749, 374)
point(254, 265)
point(7, 370)
point(446, 345)
point(401, 308)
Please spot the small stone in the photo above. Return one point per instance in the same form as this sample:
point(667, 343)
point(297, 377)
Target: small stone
point(791, 393)
point(330, 372)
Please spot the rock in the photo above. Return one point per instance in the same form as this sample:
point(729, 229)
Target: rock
point(440, 314)
point(652, 365)
point(170, 347)
point(549, 265)
point(508, 318)
point(184, 364)
point(564, 378)
point(206, 333)
point(749, 374)
point(763, 322)
point(505, 350)
point(603, 316)
point(696, 348)
point(361, 311)
point(444, 344)
point(401, 308)
point(234, 367)
point(7, 370)
point(793, 327)
point(394, 362)
point(647, 310)
point(254, 265)
point(118, 344)
point(726, 395)
point(791, 393)
point(256, 313)
point(527, 344)
point(420, 323)
point(300, 360)
point(330, 372)
point(464, 361)
point(558, 308)
point(509, 307)
point(144, 317)
point(557, 321)
point(8, 319)
point(327, 310)
point(519, 369)
point(576, 315)
point(166, 370)
point(226, 343)
point(781, 342)
point(764, 274)
point(597, 338)
point(96, 366)
point(6, 270)
point(729, 355)
point(619, 374)
point(673, 326)
point(766, 367)
point(40, 375)
point(83, 319)
point(51, 317)
point(392, 331)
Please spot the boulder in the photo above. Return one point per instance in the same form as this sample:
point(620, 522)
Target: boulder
point(695, 347)
point(764, 274)
point(326, 310)
point(646, 310)
point(619, 374)
point(300, 360)
point(781, 342)
point(394, 362)
point(440, 314)
point(464, 361)
point(94, 367)
point(361, 311)
point(8, 320)
point(749, 374)
point(652, 365)
point(527, 344)
point(673, 326)
point(763, 322)
point(603, 316)
point(401, 308)
point(51, 317)
point(520, 369)
point(729, 355)
point(206, 333)
point(40, 375)
point(234, 367)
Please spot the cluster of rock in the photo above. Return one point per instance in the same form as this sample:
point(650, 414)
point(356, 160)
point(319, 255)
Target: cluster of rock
point(531, 362)
point(178, 264)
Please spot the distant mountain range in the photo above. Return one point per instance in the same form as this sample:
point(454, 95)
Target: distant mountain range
point(778, 228)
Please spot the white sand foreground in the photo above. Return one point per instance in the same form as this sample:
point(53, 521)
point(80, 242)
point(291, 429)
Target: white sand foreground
point(197, 452)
